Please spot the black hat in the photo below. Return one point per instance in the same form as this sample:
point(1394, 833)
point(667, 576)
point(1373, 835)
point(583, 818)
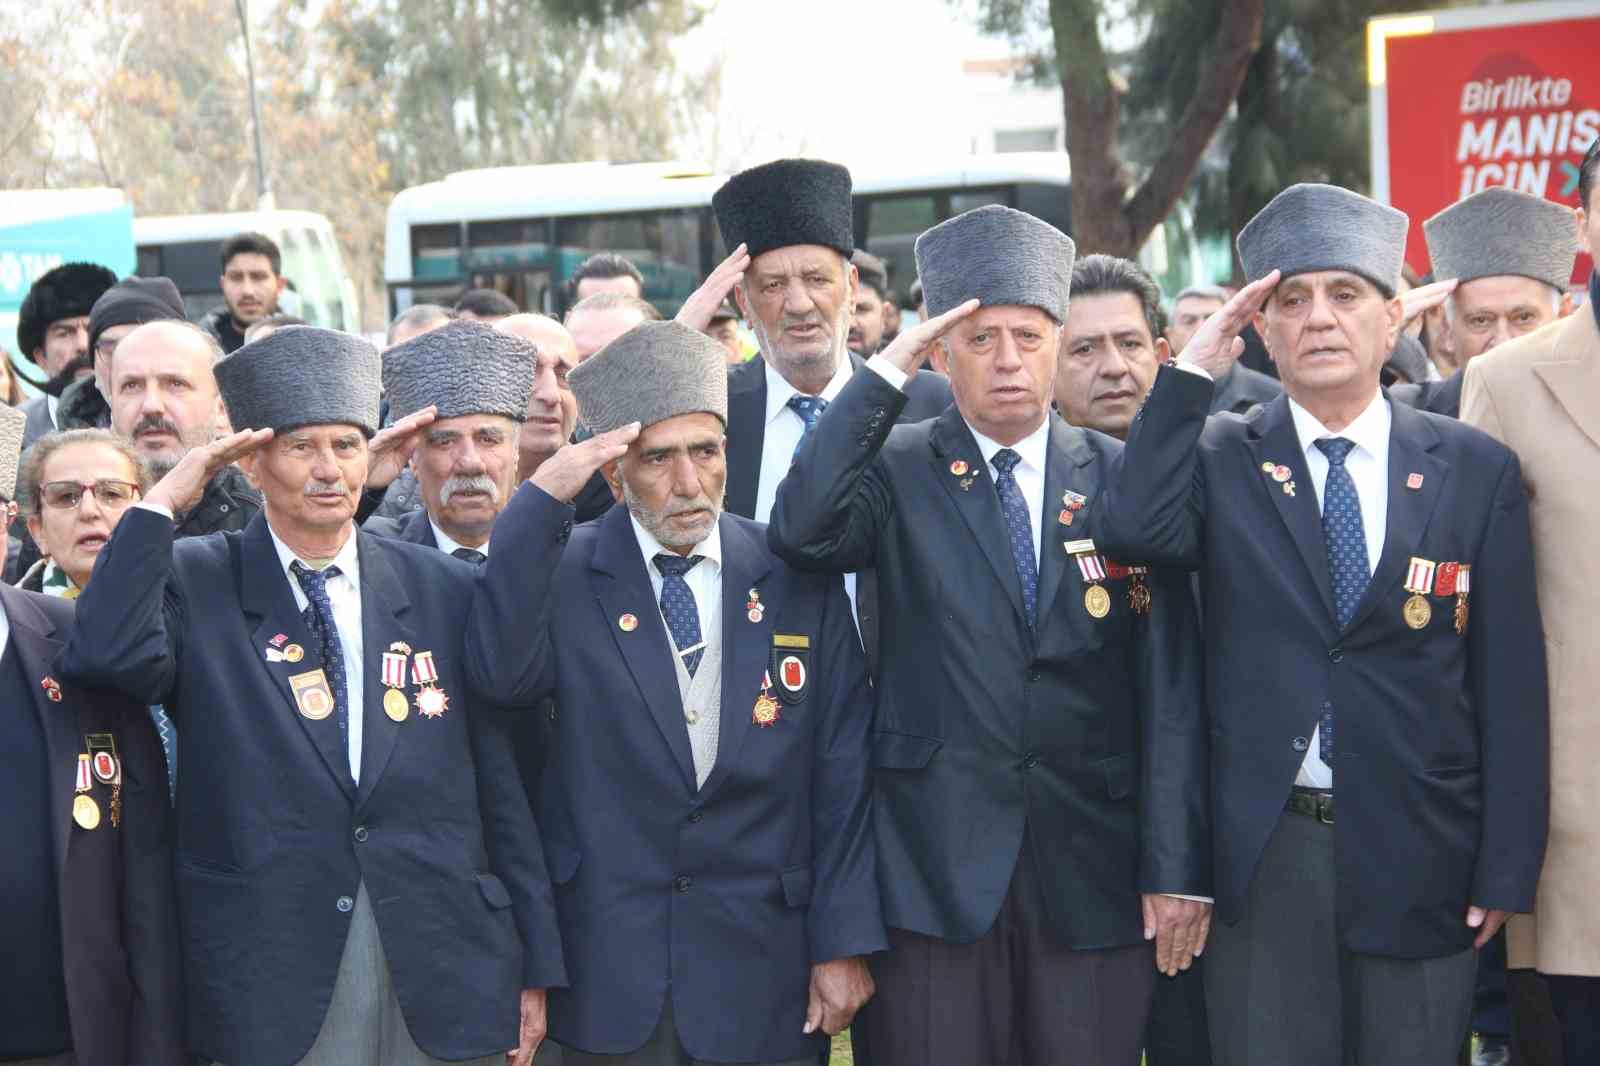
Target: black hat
point(787, 202)
point(133, 301)
point(67, 291)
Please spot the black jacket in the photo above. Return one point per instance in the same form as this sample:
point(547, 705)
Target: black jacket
point(1242, 388)
point(1086, 734)
point(219, 323)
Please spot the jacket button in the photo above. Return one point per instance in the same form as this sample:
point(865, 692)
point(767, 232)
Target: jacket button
point(1336, 655)
point(1300, 743)
point(345, 904)
point(1034, 676)
point(683, 884)
point(695, 818)
point(1030, 761)
point(361, 834)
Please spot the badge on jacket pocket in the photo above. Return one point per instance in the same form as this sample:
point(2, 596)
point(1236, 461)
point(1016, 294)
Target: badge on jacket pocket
point(791, 666)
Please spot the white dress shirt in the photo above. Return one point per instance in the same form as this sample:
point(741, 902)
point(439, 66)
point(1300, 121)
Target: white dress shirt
point(784, 428)
point(5, 632)
point(344, 592)
point(704, 579)
point(449, 546)
point(1368, 465)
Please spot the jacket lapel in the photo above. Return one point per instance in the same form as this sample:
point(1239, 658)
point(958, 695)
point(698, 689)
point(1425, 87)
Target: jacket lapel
point(622, 586)
point(972, 493)
point(745, 644)
point(1067, 469)
point(33, 637)
point(747, 432)
point(1273, 440)
point(264, 595)
point(1573, 372)
point(384, 607)
point(1411, 443)
point(418, 530)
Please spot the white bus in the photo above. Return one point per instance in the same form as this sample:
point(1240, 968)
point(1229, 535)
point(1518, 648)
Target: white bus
point(524, 230)
point(186, 248)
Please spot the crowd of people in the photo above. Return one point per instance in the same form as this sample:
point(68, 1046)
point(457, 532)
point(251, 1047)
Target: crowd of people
point(597, 691)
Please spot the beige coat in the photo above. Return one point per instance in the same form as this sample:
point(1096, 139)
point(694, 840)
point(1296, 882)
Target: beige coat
point(1540, 394)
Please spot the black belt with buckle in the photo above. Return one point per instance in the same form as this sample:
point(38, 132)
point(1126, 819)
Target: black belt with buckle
point(1311, 802)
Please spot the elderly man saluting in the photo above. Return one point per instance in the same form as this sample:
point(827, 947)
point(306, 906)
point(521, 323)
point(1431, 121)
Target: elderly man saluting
point(708, 811)
point(360, 882)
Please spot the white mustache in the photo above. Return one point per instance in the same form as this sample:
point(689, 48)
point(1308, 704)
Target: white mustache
point(477, 483)
point(315, 488)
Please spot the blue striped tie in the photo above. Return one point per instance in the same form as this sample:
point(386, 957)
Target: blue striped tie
point(1346, 541)
point(1020, 526)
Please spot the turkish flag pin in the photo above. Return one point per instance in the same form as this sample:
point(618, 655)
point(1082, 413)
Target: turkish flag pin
point(1414, 481)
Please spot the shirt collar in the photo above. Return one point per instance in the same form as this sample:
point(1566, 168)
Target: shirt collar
point(346, 560)
point(650, 547)
point(779, 390)
point(449, 544)
point(1033, 448)
point(1369, 431)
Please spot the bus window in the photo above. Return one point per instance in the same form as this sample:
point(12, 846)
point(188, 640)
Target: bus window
point(436, 252)
point(664, 245)
point(892, 225)
point(512, 256)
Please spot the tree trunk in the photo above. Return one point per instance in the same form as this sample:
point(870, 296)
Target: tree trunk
point(1106, 217)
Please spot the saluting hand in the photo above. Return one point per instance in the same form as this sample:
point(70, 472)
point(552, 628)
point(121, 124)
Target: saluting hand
point(1216, 345)
point(533, 1028)
point(1179, 927)
point(838, 989)
point(565, 473)
point(1424, 298)
point(185, 483)
point(697, 310)
point(910, 349)
point(390, 449)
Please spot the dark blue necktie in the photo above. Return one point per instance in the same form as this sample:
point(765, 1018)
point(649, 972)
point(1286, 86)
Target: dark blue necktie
point(809, 408)
point(678, 607)
point(1020, 527)
point(471, 555)
point(1346, 541)
point(318, 617)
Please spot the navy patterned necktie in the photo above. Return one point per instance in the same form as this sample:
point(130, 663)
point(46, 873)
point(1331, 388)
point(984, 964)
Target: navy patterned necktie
point(1019, 526)
point(318, 617)
point(1346, 541)
point(471, 555)
point(809, 408)
point(678, 607)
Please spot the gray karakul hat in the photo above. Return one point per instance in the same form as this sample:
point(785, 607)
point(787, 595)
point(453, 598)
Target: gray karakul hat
point(1311, 227)
point(463, 368)
point(1501, 231)
point(1001, 256)
point(653, 372)
point(784, 203)
point(301, 376)
point(12, 422)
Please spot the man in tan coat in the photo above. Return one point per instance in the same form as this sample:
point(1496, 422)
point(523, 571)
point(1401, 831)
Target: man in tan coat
point(1540, 394)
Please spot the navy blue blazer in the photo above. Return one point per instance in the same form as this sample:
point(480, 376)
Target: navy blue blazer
point(119, 920)
point(1085, 735)
point(1441, 766)
point(413, 528)
point(723, 897)
point(274, 837)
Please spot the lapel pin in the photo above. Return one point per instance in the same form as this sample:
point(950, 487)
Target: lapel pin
point(1414, 481)
point(1281, 473)
point(278, 641)
point(1074, 501)
point(293, 653)
point(1065, 517)
point(966, 483)
point(1288, 488)
point(753, 608)
point(1268, 467)
point(52, 689)
point(628, 623)
point(959, 467)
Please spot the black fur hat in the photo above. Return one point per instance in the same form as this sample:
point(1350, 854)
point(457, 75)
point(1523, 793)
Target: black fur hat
point(786, 202)
point(68, 291)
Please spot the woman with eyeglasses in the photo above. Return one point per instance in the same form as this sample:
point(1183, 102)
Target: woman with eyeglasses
point(73, 489)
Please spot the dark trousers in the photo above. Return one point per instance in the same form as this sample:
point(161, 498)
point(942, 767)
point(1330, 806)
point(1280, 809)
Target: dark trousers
point(664, 1048)
point(1491, 1013)
point(1577, 1005)
point(1535, 1033)
point(1281, 989)
point(1177, 1033)
point(1014, 997)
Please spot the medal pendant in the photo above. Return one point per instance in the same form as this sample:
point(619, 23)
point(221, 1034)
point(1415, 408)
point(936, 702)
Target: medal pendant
point(432, 702)
point(395, 705)
point(1097, 601)
point(86, 812)
point(765, 712)
point(1139, 596)
point(1417, 612)
point(1461, 616)
point(116, 805)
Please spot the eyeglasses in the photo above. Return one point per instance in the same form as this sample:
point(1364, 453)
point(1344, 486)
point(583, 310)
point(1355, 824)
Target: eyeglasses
point(65, 495)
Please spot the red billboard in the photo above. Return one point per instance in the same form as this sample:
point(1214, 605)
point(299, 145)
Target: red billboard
point(1467, 99)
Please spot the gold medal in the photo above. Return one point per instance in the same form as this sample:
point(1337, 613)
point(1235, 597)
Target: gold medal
point(1097, 601)
point(395, 705)
point(86, 812)
point(1418, 613)
point(766, 711)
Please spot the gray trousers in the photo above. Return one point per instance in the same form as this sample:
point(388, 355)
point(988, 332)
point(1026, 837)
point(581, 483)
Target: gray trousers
point(1280, 989)
point(363, 1026)
point(662, 1049)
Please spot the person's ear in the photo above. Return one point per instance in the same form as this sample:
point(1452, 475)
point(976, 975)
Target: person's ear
point(1163, 350)
point(612, 472)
